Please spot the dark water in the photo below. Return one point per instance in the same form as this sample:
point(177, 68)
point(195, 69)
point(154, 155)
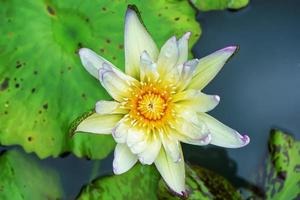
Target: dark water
point(259, 90)
point(259, 87)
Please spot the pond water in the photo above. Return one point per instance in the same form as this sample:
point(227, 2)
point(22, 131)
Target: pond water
point(258, 90)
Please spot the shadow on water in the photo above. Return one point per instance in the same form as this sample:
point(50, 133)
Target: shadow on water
point(258, 86)
point(216, 159)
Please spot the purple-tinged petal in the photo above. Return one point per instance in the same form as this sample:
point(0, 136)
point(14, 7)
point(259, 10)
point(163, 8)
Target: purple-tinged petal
point(209, 67)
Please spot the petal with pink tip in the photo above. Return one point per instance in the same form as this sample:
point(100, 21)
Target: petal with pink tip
point(209, 67)
point(172, 172)
point(222, 135)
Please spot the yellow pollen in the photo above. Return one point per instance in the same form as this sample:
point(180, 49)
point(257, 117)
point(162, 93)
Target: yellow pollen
point(151, 105)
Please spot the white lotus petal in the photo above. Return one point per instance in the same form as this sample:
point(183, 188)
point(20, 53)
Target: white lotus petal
point(137, 40)
point(209, 66)
point(222, 135)
point(139, 147)
point(116, 83)
point(187, 73)
point(123, 159)
point(183, 48)
point(168, 56)
point(205, 139)
point(172, 172)
point(172, 146)
point(151, 151)
point(191, 130)
point(99, 124)
point(135, 136)
point(120, 131)
point(91, 61)
point(109, 107)
point(148, 68)
point(196, 100)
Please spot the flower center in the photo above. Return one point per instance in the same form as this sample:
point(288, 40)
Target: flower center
point(151, 104)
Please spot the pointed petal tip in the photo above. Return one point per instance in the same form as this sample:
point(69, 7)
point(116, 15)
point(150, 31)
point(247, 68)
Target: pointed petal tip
point(115, 170)
point(206, 139)
point(83, 51)
point(132, 8)
point(230, 49)
point(217, 98)
point(183, 194)
point(187, 35)
point(173, 39)
point(245, 139)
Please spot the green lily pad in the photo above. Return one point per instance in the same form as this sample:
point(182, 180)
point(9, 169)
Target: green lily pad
point(203, 184)
point(207, 5)
point(280, 174)
point(138, 183)
point(22, 178)
point(43, 85)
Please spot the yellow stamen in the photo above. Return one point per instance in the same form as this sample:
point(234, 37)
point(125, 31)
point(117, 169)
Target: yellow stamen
point(151, 105)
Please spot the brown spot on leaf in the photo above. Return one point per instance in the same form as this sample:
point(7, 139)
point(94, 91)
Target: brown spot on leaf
point(107, 41)
point(121, 46)
point(104, 9)
point(83, 95)
point(45, 106)
point(4, 85)
point(29, 139)
point(33, 90)
point(102, 50)
point(297, 168)
point(50, 10)
point(17, 85)
point(35, 72)
point(18, 65)
point(176, 18)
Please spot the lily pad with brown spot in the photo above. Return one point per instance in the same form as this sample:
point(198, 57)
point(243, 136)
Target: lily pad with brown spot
point(279, 176)
point(138, 183)
point(207, 5)
point(43, 86)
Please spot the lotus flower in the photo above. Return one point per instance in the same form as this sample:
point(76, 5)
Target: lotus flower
point(158, 103)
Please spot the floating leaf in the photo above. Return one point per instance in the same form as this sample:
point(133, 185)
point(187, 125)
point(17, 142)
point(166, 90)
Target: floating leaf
point(22, 178)
point(138, 183)
point(280, 174)
point(43, 85)
point(202, 184)
point(206, 5)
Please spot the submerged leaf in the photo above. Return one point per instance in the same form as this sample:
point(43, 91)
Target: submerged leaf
point(138, 183)
point(43, 85)
point(207, 5)
point(22, 178)
point(280, 174)
point(203, 184)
